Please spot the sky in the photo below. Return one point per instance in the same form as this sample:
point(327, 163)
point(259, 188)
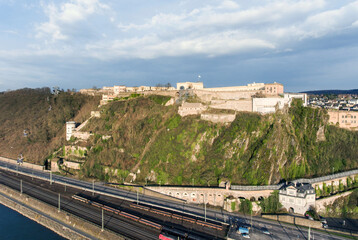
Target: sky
point(75, 44)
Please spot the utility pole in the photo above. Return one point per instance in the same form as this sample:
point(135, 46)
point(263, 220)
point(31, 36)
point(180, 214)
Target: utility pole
point(137, 197)
point(251, 218)
point(205, 206)
point(65, 186)
point(309, 233)
point(102, 220)
point(21, 187)
point(93, 187)
point(59, 202)
point(50, 177)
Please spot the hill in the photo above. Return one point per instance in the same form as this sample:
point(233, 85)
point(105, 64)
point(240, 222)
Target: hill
point(335, 92)
point(43, 116)
point(151, 142)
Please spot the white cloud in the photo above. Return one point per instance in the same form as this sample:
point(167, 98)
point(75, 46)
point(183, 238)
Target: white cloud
point(65, 15)
point(211, 30)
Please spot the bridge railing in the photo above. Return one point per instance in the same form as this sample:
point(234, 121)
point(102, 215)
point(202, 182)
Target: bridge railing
point(301, 180)
point(256, 188)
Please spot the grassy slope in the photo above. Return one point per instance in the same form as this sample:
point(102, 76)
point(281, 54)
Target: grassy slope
point(29, 109)
point(254, 149)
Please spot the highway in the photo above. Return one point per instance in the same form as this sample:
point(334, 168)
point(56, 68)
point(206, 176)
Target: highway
point(278, 230)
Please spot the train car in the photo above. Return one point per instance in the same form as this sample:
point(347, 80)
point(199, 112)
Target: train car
point(164, 236)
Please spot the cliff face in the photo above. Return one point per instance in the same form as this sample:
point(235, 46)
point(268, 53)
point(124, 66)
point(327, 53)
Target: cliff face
point(155, 144)
point(43, 116)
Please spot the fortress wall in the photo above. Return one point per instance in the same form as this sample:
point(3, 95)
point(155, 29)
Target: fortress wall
point(208, 96)
point(236, 105)
point(218, 118)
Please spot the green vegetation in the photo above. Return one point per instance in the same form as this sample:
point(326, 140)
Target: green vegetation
point(245, 206)
point(43, 116)
point(346, 207)
point(254, 149)
point(271, 204)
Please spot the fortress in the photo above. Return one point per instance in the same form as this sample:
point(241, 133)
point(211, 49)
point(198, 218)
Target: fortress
point(254, 97)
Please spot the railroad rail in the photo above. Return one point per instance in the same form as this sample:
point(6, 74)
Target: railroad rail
point(178, 217)
point(118, 212)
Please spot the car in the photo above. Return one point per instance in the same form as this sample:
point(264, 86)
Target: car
point(245, 235)
point(325, 225)
point(265, 231)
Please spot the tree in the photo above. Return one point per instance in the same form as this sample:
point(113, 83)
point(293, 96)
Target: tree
point(271, 204)
point(245, 206)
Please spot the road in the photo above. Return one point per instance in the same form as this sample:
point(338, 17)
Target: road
point(278, 230)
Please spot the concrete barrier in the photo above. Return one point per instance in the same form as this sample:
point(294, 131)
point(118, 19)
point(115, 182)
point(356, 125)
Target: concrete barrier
point(24, 164)
point(294, 220)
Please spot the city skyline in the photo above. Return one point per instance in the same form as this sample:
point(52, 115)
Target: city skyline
point(305, 45)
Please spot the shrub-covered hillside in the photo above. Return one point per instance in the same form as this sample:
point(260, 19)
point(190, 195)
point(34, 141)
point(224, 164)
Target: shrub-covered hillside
point(153, 142)
point(43, 116)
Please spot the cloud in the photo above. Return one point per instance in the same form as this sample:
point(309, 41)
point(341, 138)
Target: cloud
point(65, 15)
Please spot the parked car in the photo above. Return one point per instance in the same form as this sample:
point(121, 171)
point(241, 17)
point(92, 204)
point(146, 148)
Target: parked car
point(325, 225)
point(266, 231)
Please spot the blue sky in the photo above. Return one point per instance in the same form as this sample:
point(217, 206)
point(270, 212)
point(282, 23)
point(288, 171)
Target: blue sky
point(306, 45)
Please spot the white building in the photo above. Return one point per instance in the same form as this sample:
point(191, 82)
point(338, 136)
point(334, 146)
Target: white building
point(190, 85)
point(70, 128)
point(297, 197)
point(269, 105)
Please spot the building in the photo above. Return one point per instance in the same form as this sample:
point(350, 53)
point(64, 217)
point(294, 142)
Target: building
point(70, 128)
point(119, 89)
point(190, 85)
point(273, 88)
point(344, 119)
point(297, 197)
point(270, 104)
point(251, 87)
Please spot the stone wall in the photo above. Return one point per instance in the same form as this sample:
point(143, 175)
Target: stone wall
point(321, 203)
point(82, 135)
point(191, 109)
point(212, 196)
point(218, 118)
point(236, 105)
point(208, 96)
point(72, 165)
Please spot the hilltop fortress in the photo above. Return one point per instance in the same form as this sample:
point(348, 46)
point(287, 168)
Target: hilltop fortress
point(255, 97)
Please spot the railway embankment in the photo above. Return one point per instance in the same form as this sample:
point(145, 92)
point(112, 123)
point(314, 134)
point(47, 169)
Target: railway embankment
point(65, 224)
